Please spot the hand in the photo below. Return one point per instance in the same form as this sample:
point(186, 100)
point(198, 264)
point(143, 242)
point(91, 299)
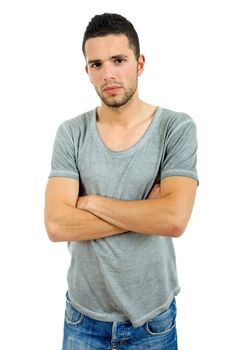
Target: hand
point(155, 192)
point(84, 202)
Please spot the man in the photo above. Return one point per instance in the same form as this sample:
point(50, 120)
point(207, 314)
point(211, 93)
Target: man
point(122, 184)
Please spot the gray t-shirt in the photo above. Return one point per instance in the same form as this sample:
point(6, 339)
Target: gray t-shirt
point(129, 276)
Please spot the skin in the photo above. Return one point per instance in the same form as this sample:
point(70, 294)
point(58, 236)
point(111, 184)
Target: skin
point(122, 119)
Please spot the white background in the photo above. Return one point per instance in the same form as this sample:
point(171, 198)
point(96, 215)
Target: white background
point(188, 49)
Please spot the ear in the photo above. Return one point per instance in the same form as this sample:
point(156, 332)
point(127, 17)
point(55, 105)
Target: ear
point(141, 64)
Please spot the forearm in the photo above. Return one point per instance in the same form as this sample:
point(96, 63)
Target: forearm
point(151, 216)
point(74, 224)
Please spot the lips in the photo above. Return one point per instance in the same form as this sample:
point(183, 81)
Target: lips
point(112, 88)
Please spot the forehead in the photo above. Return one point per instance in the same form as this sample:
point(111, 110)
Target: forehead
point(107, 46)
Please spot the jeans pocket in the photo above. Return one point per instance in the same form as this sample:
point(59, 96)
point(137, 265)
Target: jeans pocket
point(72, 315)
point(163, 323)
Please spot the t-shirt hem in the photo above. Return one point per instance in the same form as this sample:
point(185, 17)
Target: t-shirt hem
point(157, 311)
point(96, 315)
point(64, 174)
point(114, 318)
point(180, 172)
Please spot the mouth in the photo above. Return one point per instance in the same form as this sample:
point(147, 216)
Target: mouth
point(112, 88)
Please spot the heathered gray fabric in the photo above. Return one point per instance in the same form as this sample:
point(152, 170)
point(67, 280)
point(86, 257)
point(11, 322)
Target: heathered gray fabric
point(130, 276)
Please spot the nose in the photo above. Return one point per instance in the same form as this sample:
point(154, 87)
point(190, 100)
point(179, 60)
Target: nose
point(108, 72)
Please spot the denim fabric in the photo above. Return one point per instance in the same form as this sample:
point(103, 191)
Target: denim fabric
point(84, 333)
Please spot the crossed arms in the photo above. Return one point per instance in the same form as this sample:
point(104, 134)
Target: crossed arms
point(69, 217)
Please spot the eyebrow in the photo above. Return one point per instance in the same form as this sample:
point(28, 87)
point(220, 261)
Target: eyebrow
point(112, 58)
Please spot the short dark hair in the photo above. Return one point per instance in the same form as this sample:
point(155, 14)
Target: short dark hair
point(112, 23)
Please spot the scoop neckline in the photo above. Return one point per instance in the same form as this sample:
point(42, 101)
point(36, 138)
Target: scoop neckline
point(136, 145)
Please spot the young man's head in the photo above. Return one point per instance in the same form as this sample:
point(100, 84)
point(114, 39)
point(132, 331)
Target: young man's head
point(113, 59)
point(111, 23)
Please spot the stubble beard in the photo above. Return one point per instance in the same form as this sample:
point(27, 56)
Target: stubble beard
point(115, 101)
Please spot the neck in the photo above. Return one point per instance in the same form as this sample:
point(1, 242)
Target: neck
point(125, 116)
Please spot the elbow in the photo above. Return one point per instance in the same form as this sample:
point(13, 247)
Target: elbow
point(178, 226)
point(171, 227)
point(177, 231)
point(53, 231)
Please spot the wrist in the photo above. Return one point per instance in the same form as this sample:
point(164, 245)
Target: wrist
point(87, 202)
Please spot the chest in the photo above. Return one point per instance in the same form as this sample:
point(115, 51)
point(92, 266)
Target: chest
point(122, 138)
point(125, 175)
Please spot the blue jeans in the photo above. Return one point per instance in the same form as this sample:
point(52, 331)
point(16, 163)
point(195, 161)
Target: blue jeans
point(84, 333)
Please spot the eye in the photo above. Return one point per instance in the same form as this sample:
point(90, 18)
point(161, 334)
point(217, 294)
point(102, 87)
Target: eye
point(119, 61)
point(95, 65)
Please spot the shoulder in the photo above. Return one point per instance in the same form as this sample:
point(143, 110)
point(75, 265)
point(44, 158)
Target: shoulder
point(174, 118)
point(79, 123)
point(171, 121)
point(75, 129)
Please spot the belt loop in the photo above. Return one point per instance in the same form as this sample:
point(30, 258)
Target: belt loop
point(114, 332)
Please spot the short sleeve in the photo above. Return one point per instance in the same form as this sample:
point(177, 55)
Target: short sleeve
point(180, 155)
point(64, 162)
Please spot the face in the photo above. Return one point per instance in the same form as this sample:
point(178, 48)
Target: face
point(113, 69)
